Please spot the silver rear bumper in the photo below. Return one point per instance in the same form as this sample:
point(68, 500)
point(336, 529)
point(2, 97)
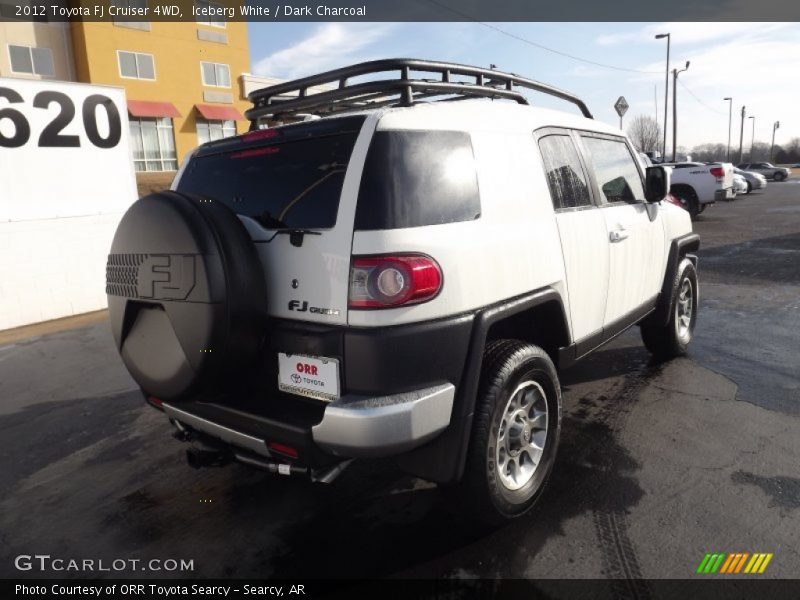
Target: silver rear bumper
point(355, 427)
point(370, 427)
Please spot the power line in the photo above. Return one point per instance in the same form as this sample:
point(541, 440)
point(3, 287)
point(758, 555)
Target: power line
point(541, 46)
point(691, 93)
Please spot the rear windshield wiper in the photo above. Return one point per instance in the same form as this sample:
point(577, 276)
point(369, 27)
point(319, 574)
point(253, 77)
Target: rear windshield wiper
point(295, 233)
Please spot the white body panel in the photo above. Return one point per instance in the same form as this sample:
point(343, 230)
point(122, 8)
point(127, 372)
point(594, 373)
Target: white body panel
point(321, 266)
point(511, 249)
point(636, 257)
point(585, 249)
point(517, 245)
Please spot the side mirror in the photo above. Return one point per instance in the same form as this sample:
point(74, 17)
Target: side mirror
point(657, 184)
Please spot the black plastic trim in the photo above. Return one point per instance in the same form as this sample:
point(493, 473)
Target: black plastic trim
point(444, 458)
point(575, 352)
point(679, 248)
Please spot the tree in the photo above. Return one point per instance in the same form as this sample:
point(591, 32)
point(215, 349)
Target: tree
point(645, 133)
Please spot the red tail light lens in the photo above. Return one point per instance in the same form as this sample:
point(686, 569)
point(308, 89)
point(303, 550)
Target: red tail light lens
point(391, 281)
point(156, 402)
point(283, 449)
point(260, 134)
point(718, 172)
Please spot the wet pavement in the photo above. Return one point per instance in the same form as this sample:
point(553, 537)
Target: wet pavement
point(658, 464)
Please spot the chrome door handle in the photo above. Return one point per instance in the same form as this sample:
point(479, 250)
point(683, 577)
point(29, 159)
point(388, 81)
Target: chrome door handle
point(618, 235)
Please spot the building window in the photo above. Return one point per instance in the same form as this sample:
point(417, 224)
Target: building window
point(214, 130)
point(215, 74)
point(205, 9)
point(35, 61)
point(153, 144)
point(138, 5)
point(135, 65)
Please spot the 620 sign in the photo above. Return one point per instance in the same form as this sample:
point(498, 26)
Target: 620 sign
point(51, 136)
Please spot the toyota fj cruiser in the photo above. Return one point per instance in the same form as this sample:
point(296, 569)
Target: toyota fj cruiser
point(399, 273)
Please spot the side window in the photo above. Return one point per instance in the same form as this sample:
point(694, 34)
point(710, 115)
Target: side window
point(565, 176)
point(615, 170)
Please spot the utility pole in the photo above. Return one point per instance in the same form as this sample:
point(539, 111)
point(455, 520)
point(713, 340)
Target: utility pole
point(666, 95)
point(730, 118)
point(752, 139)
point(675, 73)
point(775, 126)
point(741, 136)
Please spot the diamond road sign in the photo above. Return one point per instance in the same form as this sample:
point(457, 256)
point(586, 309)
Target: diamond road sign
point(621, 106)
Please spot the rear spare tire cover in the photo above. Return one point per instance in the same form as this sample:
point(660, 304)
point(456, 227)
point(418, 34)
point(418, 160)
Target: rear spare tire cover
point(186, 294)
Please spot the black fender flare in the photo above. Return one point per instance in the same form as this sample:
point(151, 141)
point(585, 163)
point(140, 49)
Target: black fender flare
point(443, 460)
point(681, 247)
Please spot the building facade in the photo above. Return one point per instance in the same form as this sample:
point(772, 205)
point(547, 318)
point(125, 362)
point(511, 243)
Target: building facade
point(183, 80)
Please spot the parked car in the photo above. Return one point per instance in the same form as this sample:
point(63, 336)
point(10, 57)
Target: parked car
point(755, 181)
point(739, 185)
point(410, 285)
point(768, 170)
point(701, 185)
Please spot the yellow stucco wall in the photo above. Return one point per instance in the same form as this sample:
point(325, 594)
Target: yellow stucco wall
point(177, 53)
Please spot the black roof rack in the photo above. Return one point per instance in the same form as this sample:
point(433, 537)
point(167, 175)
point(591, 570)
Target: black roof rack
point(404, 90)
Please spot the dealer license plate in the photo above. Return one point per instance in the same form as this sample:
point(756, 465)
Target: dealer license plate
point(310, 376)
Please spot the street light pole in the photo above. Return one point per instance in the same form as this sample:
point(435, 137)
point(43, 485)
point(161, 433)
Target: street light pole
point(730, 118)
point(675, 73)
point(666, 93)
point(752, 139)
point(741, 136)
point(775, 126)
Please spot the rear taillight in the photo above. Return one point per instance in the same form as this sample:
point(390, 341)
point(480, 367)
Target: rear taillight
point(260, 134)
point(718, 172)
point(390, 281)
point(156, 402)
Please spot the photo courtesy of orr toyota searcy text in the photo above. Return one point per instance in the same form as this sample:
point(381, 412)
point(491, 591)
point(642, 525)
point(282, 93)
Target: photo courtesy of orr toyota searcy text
point(160, 591)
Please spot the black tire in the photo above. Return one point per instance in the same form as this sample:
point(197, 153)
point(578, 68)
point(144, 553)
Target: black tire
point(749, 187)
point(779, 176)
point(508, 366)
point(688, 195)
point(673, 339)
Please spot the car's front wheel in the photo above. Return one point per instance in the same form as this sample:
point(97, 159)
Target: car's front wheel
point(515, 431)
point(779, 176)
point(672, 339)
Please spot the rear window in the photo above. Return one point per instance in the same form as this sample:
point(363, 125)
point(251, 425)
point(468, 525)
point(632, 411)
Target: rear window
point(295, 180)
point(416, 178)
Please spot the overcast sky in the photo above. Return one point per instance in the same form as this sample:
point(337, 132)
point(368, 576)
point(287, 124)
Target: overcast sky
point(758, 64)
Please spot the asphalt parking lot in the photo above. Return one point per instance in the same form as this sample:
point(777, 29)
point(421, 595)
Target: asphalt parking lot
point(658, 464)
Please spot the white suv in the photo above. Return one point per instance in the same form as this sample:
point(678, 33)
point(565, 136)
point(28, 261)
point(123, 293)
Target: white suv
point(401, 277)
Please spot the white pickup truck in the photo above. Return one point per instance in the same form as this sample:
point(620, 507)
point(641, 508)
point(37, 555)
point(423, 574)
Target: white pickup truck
point(699, 185)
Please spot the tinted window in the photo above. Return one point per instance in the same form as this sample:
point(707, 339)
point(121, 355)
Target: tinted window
point(296, 181)
point(615, 170)
point(416, 178)
point(565, 177)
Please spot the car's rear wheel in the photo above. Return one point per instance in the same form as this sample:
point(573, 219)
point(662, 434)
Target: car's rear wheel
point(689, 198)
point(515, 431)
point(749, 187)
point(672, 339)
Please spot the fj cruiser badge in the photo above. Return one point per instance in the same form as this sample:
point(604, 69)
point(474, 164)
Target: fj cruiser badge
point(303, 306)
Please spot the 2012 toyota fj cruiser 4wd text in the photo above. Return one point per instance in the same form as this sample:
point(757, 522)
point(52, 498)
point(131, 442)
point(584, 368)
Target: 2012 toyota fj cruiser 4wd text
point(397, 274)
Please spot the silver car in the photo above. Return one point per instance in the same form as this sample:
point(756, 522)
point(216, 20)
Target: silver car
point(768, 170)
point(755, 181)
point(739, 184)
